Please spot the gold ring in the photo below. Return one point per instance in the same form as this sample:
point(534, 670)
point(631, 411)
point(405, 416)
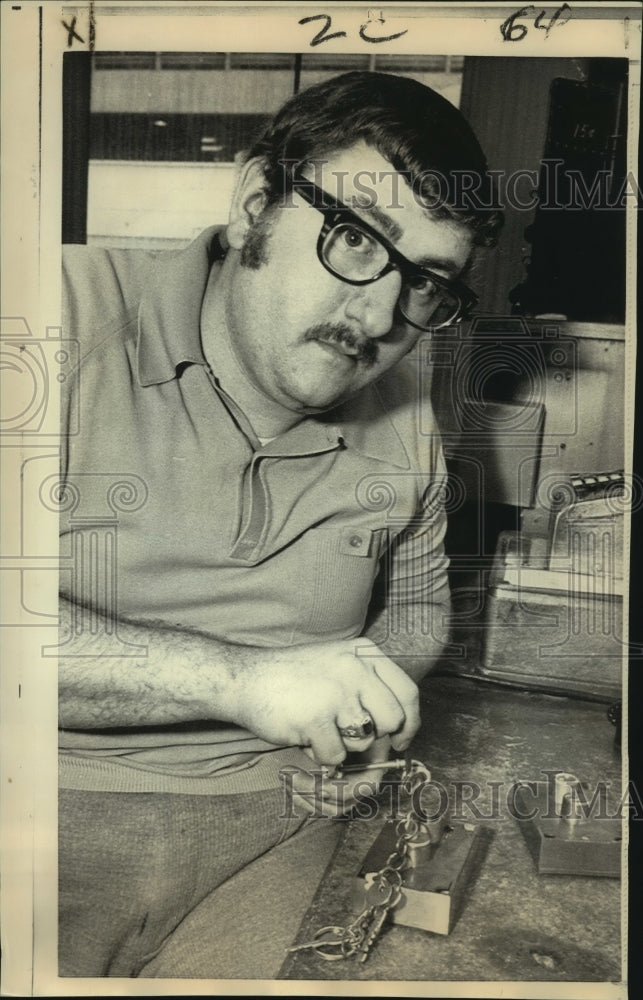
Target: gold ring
point(358, 731)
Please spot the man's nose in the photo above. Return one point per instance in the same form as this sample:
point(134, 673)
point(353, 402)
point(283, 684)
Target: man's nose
point(373, 306)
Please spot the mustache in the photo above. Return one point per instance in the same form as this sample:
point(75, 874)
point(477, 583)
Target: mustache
point(337, 333)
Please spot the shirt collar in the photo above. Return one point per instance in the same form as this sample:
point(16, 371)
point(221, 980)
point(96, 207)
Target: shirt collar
point(366, 422)
point(170, 335)
point(169, 317)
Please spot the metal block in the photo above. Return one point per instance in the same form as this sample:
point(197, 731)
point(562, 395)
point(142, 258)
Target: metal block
point(565, 841)
point(550, 640)
point(434, 888)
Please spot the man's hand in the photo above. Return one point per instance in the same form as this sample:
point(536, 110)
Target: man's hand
point(328, 791)
point(304, 694)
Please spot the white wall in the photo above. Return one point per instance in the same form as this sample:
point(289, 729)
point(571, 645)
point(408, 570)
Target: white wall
point(147, 204)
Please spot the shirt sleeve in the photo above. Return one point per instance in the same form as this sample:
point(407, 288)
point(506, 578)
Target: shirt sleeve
point(416, 564)
point(414, 567)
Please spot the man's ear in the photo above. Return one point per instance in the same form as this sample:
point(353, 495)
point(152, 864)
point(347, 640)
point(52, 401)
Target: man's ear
point(248, 201)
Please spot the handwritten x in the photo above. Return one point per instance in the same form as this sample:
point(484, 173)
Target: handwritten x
point(71, 32)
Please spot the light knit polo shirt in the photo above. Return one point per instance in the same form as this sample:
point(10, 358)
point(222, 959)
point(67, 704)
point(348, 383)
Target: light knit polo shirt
point(265, 545)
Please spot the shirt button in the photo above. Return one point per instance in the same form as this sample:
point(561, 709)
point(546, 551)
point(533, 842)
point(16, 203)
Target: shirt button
point(356, 541)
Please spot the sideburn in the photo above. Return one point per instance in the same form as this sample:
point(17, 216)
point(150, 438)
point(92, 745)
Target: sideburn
point(254, 251)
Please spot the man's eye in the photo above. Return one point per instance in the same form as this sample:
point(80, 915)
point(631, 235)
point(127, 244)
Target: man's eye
point(354, 237)
point(421, 284)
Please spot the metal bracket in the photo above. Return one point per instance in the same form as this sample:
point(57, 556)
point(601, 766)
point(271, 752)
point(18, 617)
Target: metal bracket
point(563, 840)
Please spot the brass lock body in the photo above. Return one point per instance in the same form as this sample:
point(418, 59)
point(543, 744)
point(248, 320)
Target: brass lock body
point(441, 862)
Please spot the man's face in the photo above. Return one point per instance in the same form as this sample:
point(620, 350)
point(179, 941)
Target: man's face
point(308, 340)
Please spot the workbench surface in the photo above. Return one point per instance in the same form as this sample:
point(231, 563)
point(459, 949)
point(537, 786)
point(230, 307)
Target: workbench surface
point(515, 925)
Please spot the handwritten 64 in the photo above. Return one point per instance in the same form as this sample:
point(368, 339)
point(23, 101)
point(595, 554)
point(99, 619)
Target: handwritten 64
point(513, 32)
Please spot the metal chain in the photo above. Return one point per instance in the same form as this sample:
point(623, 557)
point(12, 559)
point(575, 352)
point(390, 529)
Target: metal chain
point(414, 776)
point(333, 943)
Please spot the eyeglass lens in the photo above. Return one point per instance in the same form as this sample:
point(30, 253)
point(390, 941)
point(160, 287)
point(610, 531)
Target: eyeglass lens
point(355, 255)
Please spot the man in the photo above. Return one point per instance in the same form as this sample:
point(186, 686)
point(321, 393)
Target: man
point(279, 581)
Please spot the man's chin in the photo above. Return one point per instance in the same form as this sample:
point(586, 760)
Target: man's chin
point(326, 394)
point(311, 409)
point(317, 404)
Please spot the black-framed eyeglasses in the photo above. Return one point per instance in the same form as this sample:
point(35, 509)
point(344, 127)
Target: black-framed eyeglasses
point(358, 254)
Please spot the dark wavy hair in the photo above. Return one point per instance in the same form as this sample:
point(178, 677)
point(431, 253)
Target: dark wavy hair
point(416, 129)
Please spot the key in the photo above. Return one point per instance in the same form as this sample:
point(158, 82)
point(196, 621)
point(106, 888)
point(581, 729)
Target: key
point(377, 922)
point(382, 765)
point(329, 943)
point(357, 930)
point(378, 890)
point(382, 895)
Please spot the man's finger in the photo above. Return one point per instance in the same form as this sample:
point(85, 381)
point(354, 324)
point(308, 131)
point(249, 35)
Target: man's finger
point(327, 745)
point(406, 692)
point(384, 706)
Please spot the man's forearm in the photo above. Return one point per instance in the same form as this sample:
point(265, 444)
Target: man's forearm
point(288, 696)
point(178, 676)
point(413, 636)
